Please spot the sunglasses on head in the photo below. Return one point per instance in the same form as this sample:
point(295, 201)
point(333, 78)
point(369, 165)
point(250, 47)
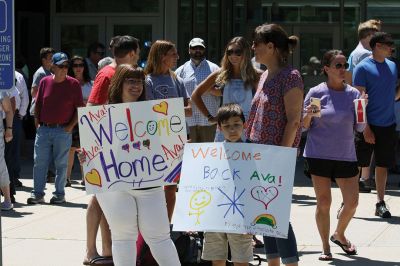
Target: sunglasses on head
point(78, 65)
point(339, 66)
point(62, 66)
point(237, 52)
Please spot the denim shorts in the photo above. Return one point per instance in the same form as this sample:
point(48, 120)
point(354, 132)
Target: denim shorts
point(286, 249)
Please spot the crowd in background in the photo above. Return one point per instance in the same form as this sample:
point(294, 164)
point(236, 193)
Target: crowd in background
point(268, 97)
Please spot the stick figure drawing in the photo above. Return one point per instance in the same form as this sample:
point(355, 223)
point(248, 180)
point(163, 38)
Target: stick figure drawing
point(199, 200)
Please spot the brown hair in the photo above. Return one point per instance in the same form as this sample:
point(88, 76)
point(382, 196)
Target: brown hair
point(154, 61)
point(368, 27)
point(229, 110)
point(45, 51)
point(277, 35)
point(329, 56)
point(123, 72)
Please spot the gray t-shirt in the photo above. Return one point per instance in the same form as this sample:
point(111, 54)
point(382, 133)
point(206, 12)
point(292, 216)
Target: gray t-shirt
point(164, 87)
point(39, 74)
point(357, 56)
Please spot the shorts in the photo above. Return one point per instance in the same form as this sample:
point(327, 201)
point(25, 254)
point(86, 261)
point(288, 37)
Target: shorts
point(202, 133)
point(286, 249)
point(384, 147)
point(216, 247)
point(332, 168)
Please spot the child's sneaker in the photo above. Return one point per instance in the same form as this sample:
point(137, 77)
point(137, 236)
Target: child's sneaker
point(382, 211)
point(6, 206)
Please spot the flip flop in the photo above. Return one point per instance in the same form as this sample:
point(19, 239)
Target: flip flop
point(100, 260)
point(325, 256)
point(345, 247)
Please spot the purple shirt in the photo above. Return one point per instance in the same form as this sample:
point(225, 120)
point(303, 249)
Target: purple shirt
point(331, 136)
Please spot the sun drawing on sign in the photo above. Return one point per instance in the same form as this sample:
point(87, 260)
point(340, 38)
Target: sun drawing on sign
point(199, 200)
point(232, 202)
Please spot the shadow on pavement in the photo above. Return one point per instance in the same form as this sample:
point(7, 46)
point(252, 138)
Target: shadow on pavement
point(393, 220)
point(363, 261)
point(304, 200)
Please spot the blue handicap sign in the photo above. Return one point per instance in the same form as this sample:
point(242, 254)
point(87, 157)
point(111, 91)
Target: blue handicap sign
point(6, 44)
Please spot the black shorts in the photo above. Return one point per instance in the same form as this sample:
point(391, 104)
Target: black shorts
point(331, 168)
point(384, 147)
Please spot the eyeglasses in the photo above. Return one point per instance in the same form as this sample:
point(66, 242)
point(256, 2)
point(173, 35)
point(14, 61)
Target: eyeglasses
point(135, 82)
point(339, 66)
point(201, 48)
point(63, 66)
point(237, 52)
point(78, 65)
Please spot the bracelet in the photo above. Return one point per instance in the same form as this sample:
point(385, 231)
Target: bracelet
point(9, 128)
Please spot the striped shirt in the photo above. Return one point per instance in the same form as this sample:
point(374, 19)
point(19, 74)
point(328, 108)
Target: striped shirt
point(192, 76)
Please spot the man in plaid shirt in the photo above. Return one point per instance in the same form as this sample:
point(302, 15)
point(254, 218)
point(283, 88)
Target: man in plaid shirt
point(193, 72)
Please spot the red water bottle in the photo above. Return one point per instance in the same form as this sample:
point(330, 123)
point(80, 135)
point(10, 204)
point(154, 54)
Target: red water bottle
point(360, 113)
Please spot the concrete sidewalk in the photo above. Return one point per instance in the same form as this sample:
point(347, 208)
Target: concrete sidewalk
point(47, 235)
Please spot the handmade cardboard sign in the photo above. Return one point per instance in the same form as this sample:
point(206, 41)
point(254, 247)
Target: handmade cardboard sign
point(235, 188)
point(132, 145)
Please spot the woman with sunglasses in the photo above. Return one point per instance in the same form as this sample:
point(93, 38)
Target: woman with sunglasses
point(163, 83)
point(330, 150)
point(235, 81)
point(127, 212)
point(275, 115)
point(80, 71)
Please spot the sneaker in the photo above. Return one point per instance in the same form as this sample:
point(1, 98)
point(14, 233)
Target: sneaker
point(18, 183)
point(68, 184)
point(35, 200)
point(6, 206)
point(382, 211)
point(363, 187)
point(57, 200)
point(12, 198)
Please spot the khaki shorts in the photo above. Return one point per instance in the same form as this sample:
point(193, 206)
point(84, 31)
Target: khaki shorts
point(216, 247)
point(202, 133)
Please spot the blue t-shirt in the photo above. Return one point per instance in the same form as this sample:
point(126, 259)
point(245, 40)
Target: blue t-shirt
point(164, 87)
point(379, 80)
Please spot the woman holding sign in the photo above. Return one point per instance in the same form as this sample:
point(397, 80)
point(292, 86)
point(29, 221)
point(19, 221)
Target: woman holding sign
point(127, 212)
point(275, 114)
point(330, 153)
point(163, 83)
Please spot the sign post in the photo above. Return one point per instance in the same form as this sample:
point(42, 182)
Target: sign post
point(7, 58)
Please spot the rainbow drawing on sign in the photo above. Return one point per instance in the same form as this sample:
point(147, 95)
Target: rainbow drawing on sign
point(93, 178)
point(199, 200)
point(266, 219)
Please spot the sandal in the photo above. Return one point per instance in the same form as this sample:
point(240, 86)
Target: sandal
point(348, 248)
point(325, 256)
point(100, 260)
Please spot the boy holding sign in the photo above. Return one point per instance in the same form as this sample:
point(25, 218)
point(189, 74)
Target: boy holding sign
point(230, 120)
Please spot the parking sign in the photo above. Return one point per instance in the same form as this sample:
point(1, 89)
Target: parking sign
point(6, 44)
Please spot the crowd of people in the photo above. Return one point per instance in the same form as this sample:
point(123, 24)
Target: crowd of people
point(233, 102)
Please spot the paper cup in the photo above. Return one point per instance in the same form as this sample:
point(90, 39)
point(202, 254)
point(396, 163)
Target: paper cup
point(359, 107)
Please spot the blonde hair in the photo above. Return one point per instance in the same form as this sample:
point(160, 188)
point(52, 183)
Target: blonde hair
point(247, 71)
point(368, 27)
point(154, 61)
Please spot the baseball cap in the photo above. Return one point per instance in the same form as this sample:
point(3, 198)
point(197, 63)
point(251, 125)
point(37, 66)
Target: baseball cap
point(197, 42)
point(59, 58)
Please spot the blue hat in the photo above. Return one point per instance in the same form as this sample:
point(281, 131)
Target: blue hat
point(59, 58)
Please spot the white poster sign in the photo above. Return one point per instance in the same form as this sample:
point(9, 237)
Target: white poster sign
point(235, 188)
point(132, 145)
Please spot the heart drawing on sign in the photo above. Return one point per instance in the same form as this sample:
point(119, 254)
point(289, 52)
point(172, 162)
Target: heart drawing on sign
point(264, 195)
point(161, 108)
point(93, 178)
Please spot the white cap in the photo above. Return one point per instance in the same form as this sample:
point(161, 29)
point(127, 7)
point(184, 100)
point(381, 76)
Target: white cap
point(197, 42)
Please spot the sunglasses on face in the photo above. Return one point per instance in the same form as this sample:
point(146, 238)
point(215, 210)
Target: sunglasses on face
point(237, 52)
point(197, 48)
point(78, 65)
point(63, 66)
point(339, 66)
point(135, 82)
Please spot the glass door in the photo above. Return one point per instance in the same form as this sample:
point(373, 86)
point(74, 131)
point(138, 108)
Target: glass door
point(73, 35)
point(146, 29)
point(314, 42)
